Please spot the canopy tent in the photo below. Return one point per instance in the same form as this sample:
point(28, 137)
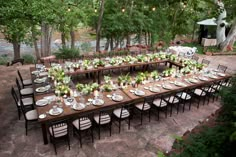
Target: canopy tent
point(208, 22)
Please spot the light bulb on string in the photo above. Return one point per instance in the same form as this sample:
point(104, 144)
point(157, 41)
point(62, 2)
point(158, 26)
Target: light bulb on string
point(68, 9)
point(123, 10)
point(153, 8)
point(95, 10)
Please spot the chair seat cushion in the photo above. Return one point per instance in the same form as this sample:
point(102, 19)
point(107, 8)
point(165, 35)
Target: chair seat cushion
point(199, 92)
point(26, 91)
point(125, 113)
point(159, 103)
point(58, 131)
point(26, 101)
point(27, 82)
point(184, 96)
point(172, 99)
point(142, 106)
point(31, 115)
point(84, 124)
point(209, 89)
point(104, 119)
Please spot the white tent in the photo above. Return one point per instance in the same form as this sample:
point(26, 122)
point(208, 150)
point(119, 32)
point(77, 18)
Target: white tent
point(208, 22)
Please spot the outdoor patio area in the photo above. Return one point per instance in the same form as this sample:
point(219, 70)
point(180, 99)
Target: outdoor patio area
point(140, 141)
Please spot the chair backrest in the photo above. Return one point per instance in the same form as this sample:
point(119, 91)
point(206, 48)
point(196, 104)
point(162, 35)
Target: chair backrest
point(161, 99)
point(19, 74)
point(104, 117)
point(222, 68)
point(169, 96)
point(18, 85)
point(148, 100)
point(15, 97)
point(205, 61)
point(82, 123)
point(60, 127)
point(123, 113)
point(194, 57)
point(188, 93)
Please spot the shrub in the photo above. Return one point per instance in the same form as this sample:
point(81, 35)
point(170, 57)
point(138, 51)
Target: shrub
point(67, 53)
point(86, 47)
point(4, 59)
point(28, 58)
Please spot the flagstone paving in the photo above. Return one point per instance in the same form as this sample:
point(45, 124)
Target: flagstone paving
point(140, 141)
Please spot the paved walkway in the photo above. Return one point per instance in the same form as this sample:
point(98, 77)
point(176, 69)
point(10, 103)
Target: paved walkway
point(140, 141)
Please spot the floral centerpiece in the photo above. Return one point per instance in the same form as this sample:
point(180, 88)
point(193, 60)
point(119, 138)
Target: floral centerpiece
point(185, 70)
point(154, 75)
point(173, 57)
point(56, 73)
point(154, 57)
point(87, 88)
point(199, 66)
point(112, 61)
point(168, 72)
point(98, 62)
point(162, 55)
point(107, 87)
point(124, 79)
point(142, 58)
point(107, 79)
point(86, 64)
point(62, 90)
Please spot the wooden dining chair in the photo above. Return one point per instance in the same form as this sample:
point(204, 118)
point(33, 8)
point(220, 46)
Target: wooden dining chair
point(199, 94)
point(82, 124)
point(145, 107)
point(122, 114)
point(196, 58)
point(103, 118)
point(58, 131)
point(222, 68)
point(173, 101)
point(205, 61)
point(26, 82)
point(27, 102)
point(30, 116)
point(160, 104)
point(24, 92)
point(185, 97)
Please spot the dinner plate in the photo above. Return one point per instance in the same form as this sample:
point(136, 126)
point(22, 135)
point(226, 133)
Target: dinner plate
point(177, 83)
point(42, 89)
point(56, 112)
point(35, 72)
point(42, 102)
point(139, 92)
point(146, 88)
point(167, 87)
point(40, 80)
point(117, 97)
point(41, 116)
point(154, 89)
point(98, 102)
point(212, 76)
point(78, 106)
point(50, 97)
point(221, 74)
point(192, 80)
point(43, 74)
point(202, 78)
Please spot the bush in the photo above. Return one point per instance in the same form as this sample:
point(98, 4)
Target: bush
point(86, 47)
point(4, 59)
point(28, 58)
point(67, 53)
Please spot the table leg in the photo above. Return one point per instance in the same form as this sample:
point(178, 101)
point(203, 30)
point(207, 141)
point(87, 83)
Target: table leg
point(94, 76)
point(99, 79)
point(44, 132)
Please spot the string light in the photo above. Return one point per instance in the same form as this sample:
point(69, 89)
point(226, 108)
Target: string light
point(95, 10)
point(123, 10)
point(68, 9)
point(153, 8)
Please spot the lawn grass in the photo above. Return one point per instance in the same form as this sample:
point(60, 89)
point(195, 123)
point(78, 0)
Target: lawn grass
point(200, 49)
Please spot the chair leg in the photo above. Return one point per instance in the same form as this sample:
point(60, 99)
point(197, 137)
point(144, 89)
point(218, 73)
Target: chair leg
point(19, 113)
point(80, 138)
point(92, 133)
point(26, 127)
point(149, 112)
point(119, 125)
point(99, 132)
point(141, 117)
point(68, 141)
point(129, 123)
point(55, 148)
point(110, 127)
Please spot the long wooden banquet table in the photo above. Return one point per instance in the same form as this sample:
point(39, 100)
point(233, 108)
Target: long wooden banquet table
point(128, 98)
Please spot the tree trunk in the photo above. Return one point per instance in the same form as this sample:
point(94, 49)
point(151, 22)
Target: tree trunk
point(99, 24)
point(111, 44)
point(63, 39)
point(128, 42)
point(221, 22)
point(16, 48)
point(46, 39)
point(107, 44)
point(34, 36)
point(230, 38)
point(72, 36)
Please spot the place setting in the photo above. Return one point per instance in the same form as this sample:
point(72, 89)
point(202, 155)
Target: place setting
point(138, 92)
point(153, 89)
point(40, 80)
point(115, 97)
point(55, 111)
point(42, 89)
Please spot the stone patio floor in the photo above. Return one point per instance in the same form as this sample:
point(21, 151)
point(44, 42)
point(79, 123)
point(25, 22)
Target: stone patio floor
point(140, 141)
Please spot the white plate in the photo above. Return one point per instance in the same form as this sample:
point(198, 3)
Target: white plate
point(139, 92)
point(146, 88)
point(192, 80)
point(158, 85)
point(221, 74)
point(154, 89)
point(213, 76)
point(167, 87)
point(42, 116)
point(109, 96)
point(35, 72)
point(117, 97)
point(202, 78)
point(132, 91)
point(43, 74)
point(98, 102)
point(40, 80)
point(50, 98)
point(180, 84)
point(40, 89)
point(42, 102)
point(78, 106)
point(55, 113)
